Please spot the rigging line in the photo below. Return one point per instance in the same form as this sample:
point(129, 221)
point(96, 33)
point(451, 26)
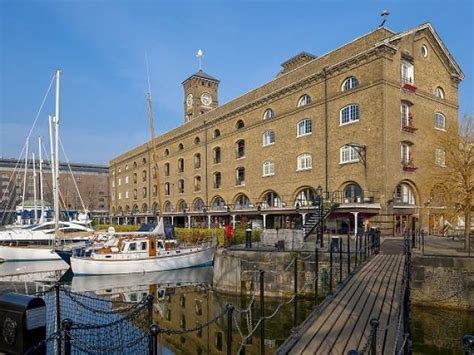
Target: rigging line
point(14, 172)
point(148, 72)
point(73, 178)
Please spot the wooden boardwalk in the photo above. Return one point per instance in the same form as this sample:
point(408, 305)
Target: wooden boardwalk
point(341, 323)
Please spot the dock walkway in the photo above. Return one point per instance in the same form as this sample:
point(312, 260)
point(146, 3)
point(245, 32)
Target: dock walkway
point(342, 322)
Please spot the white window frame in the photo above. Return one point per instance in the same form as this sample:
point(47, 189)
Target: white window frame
point(304, 125)
point(126, 194)
point(304, 162)
point(404, 153)
point(304, 100)
point(351, 83)
point(119, 181)
point(348, 154)
point(267, 137)
point(268, 168)
point(440, 157)
point(404, 115)
point(268, 114)
point(407, 72)
point(439, 93)
point(126, 179)
point(352, 118)
point(113, 183)
point(436, 115)
point(119, 195)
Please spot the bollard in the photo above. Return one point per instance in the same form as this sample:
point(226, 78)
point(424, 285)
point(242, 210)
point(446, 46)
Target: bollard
point(316, 273)
point(330, 267)
point(374, 323)
point(67, 325)
point(348, 254)
point(149, 305)
point(153, 340)
point(468, 341)
point(230, 310)
point(58, 317)
point(248, 236)
point(340, 260)
point(262, 313)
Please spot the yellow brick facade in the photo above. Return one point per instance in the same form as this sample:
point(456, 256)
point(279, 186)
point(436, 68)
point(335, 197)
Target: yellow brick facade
point(375, 61)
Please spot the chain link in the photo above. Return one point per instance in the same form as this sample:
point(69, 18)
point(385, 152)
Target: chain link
point(194, 329)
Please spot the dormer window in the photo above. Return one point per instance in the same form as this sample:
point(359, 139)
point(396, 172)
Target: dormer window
point(268, 114)
point(350, 83)
point(304, 100)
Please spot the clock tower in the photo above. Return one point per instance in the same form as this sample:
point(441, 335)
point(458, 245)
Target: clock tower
point(200, 95)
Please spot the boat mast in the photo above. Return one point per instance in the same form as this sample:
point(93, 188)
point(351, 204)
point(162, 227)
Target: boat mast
point(41, 180)
point(34, 187)
point(24, 181)
point(56, 157)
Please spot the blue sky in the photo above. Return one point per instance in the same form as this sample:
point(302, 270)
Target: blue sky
point(100, 47)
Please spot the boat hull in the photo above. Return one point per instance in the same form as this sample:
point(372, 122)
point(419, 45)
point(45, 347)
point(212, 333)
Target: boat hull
point(18, 253)
point(90, 266)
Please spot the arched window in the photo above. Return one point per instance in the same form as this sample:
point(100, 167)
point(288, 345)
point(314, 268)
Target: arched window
point(180, 146)
point(197, 183)
point(440, 121)
point(240, 124)
point(144, 175)
point(404, 194)
point(135, 208)
point(304, 162)
point(217, 180)
point(268, 114)
point(119, 170)
point(180, 186)
point(439, 93)
point(168, 207)
point(240, 149)
point(120, 210)
point(167, 189)
point(198, 205)
point(155, 208)
point(240, 176)
point(218, 203)
point(167, 152)
point(271, 199)
point(268, 137)
point(113, 210)
point(304, 100)
point(153, 170)
point(305, 197)
point(144, 192)
point(126, 167)
point(135, 194)
point(348, 154)
point(144, 208)
point(216, 155)
point(350, 83)
point(268, 168)
point(197, 161)
point(144, 161)
point(127, 208)
point(304, 127)
point(242, 201)
point(167, 169)
point(217, 133)
point(181, 206)
point(197, 140)
point(180, 165)
point(349, 114)
point(135, 178)
point(134, 164)
point(352, 193)
point(155, 190)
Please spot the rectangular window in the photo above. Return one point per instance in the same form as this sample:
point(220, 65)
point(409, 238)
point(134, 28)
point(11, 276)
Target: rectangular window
point(119, 195)
point(349, 114)
point(305, 127)
point(405, 153)
point(126, 194)
point(126, 179)
point(407, 73)
point(119, 181)
point(113, 183)
point(440, 157)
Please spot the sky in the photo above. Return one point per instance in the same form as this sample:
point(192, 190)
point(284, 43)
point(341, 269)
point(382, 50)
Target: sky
point(100, 48)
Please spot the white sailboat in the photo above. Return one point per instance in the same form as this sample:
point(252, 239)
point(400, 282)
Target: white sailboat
point(39, 252)
point(139, 254)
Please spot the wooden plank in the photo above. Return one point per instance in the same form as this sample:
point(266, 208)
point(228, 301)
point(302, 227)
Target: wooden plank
point(327, 315)
point(353, 319)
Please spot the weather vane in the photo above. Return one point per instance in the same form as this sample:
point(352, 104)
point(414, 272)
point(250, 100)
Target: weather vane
point(384, 14)
point(199, 56)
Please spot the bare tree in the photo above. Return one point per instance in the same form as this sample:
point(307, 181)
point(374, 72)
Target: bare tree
point(458, 173)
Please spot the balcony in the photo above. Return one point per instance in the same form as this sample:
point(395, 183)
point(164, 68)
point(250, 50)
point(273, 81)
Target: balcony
point(409, 126)
point(409, 165)
point(408, 85)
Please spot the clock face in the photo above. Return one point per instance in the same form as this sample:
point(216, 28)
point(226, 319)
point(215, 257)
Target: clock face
point(189, 100)
point(206, 99)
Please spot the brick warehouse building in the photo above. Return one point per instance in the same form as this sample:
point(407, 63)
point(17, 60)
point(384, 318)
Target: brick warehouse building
point(361, 124)
point(91, 181)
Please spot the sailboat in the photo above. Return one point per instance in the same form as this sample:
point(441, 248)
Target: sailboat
point(144, 253)
point(15, 252)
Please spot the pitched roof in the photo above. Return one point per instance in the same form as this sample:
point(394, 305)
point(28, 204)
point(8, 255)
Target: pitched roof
point(438, 39)
point(203, 75)
point(302, 55)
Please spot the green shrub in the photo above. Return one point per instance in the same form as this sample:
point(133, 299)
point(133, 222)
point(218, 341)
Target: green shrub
point(195, 235)
point(118, 227)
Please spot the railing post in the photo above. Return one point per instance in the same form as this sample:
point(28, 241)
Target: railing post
point(348, 254)
point(149, 301)
point(340, 260)
point(230, 310)
point(262, 313)
point(374, 323)
point(468, 341)
point(316, 273)
point(330, 267)
point(67, 325)
point(356, 249)
point(295, 276)
point(57, 290)
point(153, 341)
point(422, 242)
